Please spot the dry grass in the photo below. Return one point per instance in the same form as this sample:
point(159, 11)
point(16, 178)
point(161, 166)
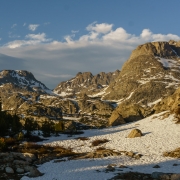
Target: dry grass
point(97, 142)
point(100, 148)
point(174, 154)
point(42, 151)
point(10, 141)
point(30, 145)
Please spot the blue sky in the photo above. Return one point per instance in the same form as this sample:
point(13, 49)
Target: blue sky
point(55, 39)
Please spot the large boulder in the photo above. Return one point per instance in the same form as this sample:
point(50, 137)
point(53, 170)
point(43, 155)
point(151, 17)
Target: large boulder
point(35, 172)
point(9, 170)
point(116, 119)
point(130, 112)
point(135, 133)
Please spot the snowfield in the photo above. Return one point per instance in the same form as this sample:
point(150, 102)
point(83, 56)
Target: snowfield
point(158, 136)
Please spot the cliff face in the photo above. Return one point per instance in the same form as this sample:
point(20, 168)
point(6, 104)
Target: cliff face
point(151, 72)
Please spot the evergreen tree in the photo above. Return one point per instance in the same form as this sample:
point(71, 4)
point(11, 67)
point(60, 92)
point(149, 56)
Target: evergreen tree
point(59, 127)
point(47, 128)
point(29, 126)
point(3, 124)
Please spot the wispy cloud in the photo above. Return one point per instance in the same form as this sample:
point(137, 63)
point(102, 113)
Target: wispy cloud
point(30, 39)
point(74, 32)
point(33, 27)
point(59, 76)
point(101, 48)
point(24, 24)
point(46, 23)
point(13, 26)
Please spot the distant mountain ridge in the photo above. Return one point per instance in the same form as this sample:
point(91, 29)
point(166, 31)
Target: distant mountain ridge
point(86, 82)
point(21, 80)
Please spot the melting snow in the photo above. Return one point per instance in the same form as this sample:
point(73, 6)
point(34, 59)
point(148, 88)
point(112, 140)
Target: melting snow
point(168, 63)
point(152, 103)
point(159, 136)
point(130, 95)
point(100, 93)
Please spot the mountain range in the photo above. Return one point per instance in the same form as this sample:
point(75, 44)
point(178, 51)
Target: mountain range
point(146, 83)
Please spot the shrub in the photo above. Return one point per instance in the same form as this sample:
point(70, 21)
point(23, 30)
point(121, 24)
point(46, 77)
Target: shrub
point(29, 125)
point(59, 127)
point(10, 141)
point(99, 141)
point(2, 144)
point(30, 145)
point(20, 136)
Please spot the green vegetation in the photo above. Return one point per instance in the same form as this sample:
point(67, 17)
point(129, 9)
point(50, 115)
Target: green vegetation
point(9, 124)
point(30, 125)
point(47, 128)
point(59, 127)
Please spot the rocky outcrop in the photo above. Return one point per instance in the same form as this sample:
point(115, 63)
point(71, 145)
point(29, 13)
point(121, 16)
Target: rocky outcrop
point(116, 119)
point(25, 105)
point(95, 106)
point(129, 112)
point(160, 49)
point(18, 163)
point(170, 103)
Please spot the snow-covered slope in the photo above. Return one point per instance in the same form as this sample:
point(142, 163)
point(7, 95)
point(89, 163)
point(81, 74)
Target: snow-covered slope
point(158, 136)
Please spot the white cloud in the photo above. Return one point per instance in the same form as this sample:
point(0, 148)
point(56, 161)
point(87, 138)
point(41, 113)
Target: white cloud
point(102, 48)
point(33, 27)
point(100, 28)
point(32, 39)
point(13, 26)
point(11, 35)
point(117, 35)
point(41, 37)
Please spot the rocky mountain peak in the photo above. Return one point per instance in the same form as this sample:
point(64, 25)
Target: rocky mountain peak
point(86, 82)
point(160, 49)
point(20, 80)
point(152, 72)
